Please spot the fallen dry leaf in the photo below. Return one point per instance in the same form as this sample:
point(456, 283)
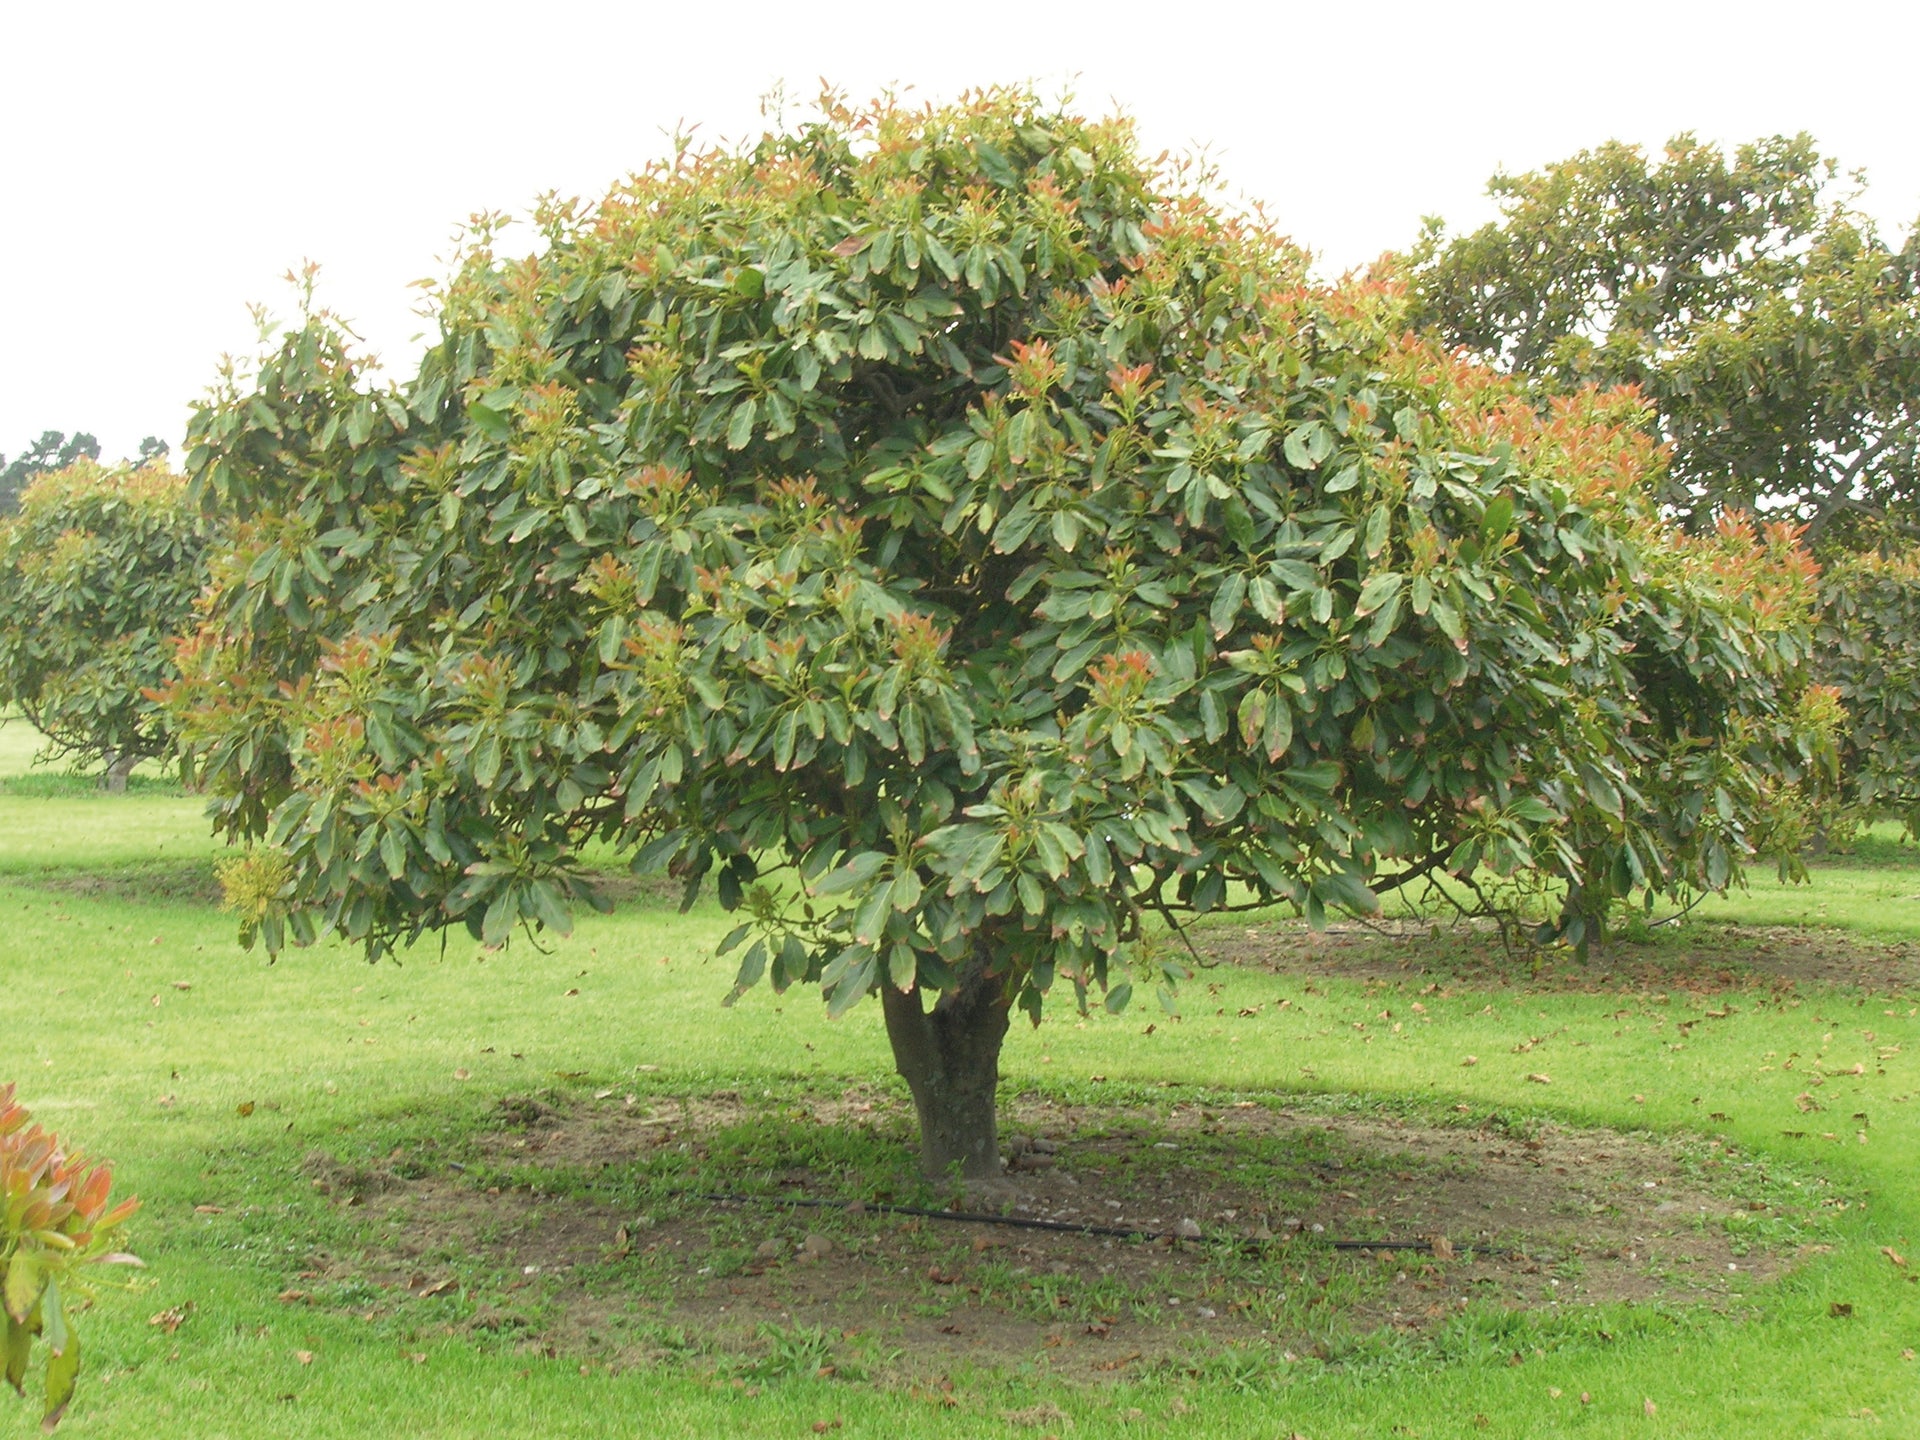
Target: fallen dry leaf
point(1649, 1407)
point(1470, 1060)
point(305, 1357)
point(1539, 1079)
point(243, 1109)
point(208, 1210)
point(1894, 1255)
point(169, 1320)
point(463, 1073)
point(1441, 1247)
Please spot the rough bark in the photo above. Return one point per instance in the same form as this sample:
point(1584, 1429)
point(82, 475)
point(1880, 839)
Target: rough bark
point(950, 1058)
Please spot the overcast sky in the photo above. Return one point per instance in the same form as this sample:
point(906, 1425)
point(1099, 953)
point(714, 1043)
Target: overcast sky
point(163, 165)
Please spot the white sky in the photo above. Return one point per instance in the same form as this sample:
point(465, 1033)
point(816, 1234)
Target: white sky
point(162, 165)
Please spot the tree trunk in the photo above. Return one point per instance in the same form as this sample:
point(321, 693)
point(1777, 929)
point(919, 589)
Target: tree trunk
point(950, 1058)
point(114, 782)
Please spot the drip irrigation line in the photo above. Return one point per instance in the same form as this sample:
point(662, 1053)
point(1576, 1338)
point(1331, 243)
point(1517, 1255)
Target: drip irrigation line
point(1058, 1227)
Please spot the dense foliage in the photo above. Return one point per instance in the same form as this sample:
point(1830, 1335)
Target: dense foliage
point(1774, 331)
point(941, 505)
point(98, 572)
point(54, 1221)
point(1869, 650)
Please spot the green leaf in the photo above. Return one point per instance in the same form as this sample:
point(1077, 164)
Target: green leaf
point(752, 966)
point(26, 1278)
point(850, 875)
point(502, 914)
point(490, 422)
point(63, 1369)
point(1498, 519)
point(550, 907)
point(53, 1319)
point(1266, 600)
point(486, 762)
point(19, 1349)
point(1302, 443)
point(852, 987)
point(1377, 524)
point(906, 890)
point(1118, 997)
point(870, 920)
point(740, 429)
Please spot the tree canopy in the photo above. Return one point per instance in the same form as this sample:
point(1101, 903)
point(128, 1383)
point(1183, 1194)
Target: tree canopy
point(967, 549)
point(98, 572)
point(1774, 331)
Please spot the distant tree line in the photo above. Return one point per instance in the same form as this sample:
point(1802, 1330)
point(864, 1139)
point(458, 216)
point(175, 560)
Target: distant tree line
point(54, 451)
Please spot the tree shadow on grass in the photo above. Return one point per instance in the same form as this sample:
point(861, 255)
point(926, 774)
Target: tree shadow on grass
point(162, 882)
point(1703, 957)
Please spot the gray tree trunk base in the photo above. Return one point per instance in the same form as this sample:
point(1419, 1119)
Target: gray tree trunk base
point(950, 1058)
point(119, 767)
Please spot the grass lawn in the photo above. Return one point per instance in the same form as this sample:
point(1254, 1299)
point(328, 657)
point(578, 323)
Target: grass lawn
point(234, 1095)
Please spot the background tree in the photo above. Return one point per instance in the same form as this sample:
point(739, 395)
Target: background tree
point(1869, 650)
point(1773, 330)
point(97, 572)
point(946, 510)
point(54, 451)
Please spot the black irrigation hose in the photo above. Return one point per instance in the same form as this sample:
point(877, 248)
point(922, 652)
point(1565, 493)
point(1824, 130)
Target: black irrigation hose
point(1063, 1227)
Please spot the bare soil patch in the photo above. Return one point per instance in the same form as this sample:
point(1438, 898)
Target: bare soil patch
point(578, 1228)
point(1714, 958)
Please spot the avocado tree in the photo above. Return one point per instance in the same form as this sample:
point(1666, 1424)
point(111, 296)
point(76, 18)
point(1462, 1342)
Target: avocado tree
point(98, 572)
point(968, 553)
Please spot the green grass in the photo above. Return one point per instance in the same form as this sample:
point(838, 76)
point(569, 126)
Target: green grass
point(132, 1020)
point(1874, 891)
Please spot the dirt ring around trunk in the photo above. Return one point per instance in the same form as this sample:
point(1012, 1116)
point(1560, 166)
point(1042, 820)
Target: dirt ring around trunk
point(586, 1228)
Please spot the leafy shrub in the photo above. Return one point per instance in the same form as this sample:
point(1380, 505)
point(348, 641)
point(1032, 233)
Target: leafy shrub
point(54, 1223)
